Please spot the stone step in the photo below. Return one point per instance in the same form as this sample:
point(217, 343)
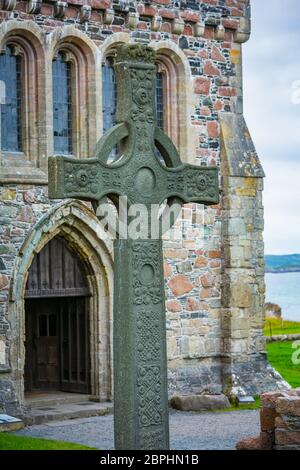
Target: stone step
point(10, 423)
point(54, 399)
point(87, 409)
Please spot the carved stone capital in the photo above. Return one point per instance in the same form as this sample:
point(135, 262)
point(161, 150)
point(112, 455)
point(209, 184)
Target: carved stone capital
point(60, 9)
point(244, 31)
point(199, 29)
point(220, 32)
point(132, 19)
point(8, 5)
point(85, 13)
point(156, 23)
point(108, 16)
point(177, 26)
point(34, 7)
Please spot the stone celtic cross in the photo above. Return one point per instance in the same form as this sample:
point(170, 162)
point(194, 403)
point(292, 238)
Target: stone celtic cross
point(139, 324)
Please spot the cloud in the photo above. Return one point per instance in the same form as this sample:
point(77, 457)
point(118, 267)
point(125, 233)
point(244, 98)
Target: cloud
point(271, 66)
point(281, 202)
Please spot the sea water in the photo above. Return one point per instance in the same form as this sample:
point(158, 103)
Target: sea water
point(284, 289)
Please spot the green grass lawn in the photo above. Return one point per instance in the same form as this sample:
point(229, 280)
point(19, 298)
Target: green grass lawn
point(248, 406)
point(275, 326)
point(280, 356)
point(11, 442)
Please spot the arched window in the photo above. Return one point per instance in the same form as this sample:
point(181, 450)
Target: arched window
point(160, 99)
point(109, 96)
point(173, 70)
point(11, 122)
point(62, 104)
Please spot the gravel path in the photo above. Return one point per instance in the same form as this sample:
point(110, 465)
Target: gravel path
point(189, 431)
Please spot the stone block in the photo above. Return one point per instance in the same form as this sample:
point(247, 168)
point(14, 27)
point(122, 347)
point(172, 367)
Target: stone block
point(236, 227)
point(268, 400)
point(174, 306)
point(240, 334)
point(280, 422)
point(288, 422)
point(215, 254)
point(207, 280)
point(185, 267)
point(9, 427)
point(4, 281)
point(26, 215)
point(202, 85)
point(285, 437)
point(200, 402)
point(192, 304)
point(2, 351)
point(29, 196)
point(287, 447)
point(263, 442)
point(289, 405)
point(196, 346)
point(180, 285)
point(242, 295)
point(266, 440)
point(167, 269)
point(175, 254)
point(201, 262)
point(9, 195)
point(267, 419)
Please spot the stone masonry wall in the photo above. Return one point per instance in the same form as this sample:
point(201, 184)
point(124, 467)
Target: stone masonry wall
point(280, 423)
point(214, 269)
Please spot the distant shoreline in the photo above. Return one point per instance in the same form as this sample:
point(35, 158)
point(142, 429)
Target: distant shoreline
point(278, 264)
point(282, 271)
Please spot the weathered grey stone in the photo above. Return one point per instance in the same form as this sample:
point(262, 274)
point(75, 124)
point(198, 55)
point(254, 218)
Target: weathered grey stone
point(200, 402)
point(195, 125)
point(9, 403)
point(140, 363)
point(185, 267)
point(252, 378)
point(238, 147)
point(288, 448)
point(10, 427)
point(10, 423)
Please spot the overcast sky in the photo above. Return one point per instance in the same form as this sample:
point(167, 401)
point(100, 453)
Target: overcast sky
point(271, 67)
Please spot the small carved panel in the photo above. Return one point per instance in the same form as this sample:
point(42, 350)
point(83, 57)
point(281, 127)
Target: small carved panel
point(150, 292)
point(202, 184)
point(149, 395)
point(148, 336)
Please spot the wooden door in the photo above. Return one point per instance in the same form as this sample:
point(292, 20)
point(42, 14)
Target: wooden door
point(56, 300)
point(57, 355)
point(42, 344)
point(47, 349)
point(74, 346)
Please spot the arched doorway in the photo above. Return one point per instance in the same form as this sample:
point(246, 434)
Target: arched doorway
point(57, 321)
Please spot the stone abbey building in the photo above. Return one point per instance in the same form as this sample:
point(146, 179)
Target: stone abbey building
point(56, 268)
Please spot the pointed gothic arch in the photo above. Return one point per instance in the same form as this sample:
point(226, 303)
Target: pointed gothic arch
point(84, 57)
point(174, 65)
point(27, 41)
point(79, 227)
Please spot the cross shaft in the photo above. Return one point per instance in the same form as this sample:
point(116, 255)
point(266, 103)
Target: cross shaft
point(140, 360)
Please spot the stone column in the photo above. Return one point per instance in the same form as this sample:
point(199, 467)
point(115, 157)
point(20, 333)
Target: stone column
point(245, 368)
point(2, 101)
